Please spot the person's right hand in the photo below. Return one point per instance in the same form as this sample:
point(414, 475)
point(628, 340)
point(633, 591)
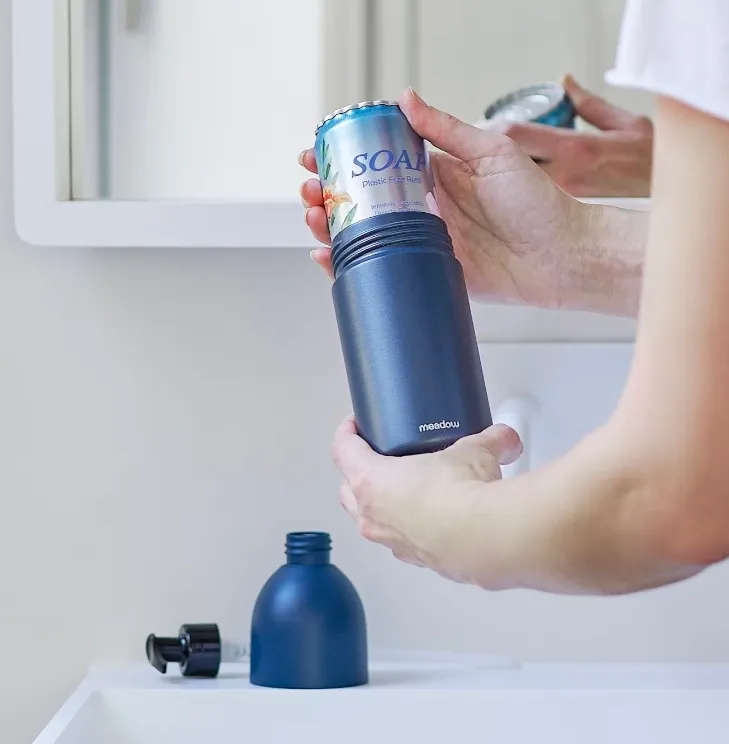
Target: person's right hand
point(518, 236)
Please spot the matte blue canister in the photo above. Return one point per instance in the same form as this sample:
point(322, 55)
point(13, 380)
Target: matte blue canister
point(308, 629)
point(405, 324)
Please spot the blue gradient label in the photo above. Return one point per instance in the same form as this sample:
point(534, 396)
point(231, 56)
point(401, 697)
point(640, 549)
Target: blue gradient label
point(370, 163)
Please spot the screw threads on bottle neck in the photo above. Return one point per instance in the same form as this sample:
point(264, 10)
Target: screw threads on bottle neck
point(308, 548)
point(397, 231)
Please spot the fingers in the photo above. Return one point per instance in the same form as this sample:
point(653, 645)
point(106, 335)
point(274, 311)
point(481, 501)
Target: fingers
point(595, 110)
point(499, 441)
point(353, 457)
point(311, 193)
point(313, 199)
point(316, 219)
point(347, 500)
point(557, 172)
point(323, 257)
point(537, 140)
point(449, 134)
point(307, 160)
point(410, 560)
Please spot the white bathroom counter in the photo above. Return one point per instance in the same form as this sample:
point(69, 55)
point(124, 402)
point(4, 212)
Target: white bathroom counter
point(423, 699)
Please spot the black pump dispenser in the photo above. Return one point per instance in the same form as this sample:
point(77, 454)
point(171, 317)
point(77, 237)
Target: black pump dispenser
point(197, 649)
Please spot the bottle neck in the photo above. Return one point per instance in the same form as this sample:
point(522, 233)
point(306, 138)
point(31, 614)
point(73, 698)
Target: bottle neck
point(308, 548)
point(397, 231)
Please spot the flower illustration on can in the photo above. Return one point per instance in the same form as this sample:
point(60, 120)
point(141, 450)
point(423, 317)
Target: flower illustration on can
point(334, 199)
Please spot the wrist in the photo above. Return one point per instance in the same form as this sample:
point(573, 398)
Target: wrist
point(607, 248)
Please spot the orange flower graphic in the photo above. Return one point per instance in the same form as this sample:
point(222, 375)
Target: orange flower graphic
point(332, 199)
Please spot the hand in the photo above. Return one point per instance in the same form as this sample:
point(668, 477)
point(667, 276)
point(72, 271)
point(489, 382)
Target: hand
point(416, 506)
point(616, 161)
point(519, 237)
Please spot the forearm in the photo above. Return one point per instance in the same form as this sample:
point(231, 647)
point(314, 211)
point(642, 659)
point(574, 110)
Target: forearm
point(585, 524)
point(608, 254)
point(643, 501)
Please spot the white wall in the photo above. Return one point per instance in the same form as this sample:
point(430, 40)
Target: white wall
point(165, 418)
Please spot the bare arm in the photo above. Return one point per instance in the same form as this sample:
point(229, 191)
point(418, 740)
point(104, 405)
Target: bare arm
point(645, 500)
point(609, 254)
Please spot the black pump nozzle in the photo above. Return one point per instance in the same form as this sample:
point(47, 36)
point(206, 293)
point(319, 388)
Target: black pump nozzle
point(197, 650)
point(163, 651)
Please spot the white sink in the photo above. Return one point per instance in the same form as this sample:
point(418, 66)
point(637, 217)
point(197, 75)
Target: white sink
point(416, 699)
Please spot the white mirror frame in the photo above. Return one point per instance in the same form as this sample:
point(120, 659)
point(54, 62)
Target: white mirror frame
point(44, 213)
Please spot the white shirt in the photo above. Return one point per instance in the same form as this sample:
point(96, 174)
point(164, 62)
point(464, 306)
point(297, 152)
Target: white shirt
point(679, 49)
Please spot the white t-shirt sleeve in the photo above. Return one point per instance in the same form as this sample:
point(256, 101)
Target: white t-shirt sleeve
point(679, 49)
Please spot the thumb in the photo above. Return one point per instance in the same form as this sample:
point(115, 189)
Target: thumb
point(499, 441)
point(446, 132)
point(595, 110)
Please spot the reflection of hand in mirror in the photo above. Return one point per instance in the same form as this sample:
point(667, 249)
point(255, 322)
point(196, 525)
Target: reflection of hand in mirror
point(615, 161)
point(520, 238)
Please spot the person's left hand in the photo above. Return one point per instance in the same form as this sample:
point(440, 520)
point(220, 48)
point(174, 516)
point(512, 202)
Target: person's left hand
point(417, 506)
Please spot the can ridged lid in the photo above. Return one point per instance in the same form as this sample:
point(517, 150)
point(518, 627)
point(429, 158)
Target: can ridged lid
point(353, 107)
point(541, 96)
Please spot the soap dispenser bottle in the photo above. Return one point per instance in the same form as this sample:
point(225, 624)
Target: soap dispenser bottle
point(308, 629)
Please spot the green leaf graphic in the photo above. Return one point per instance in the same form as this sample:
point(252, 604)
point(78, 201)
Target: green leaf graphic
point(334, 215)
point(324, 150)
point(334, 180)
point(327, 171)
point(350, 217)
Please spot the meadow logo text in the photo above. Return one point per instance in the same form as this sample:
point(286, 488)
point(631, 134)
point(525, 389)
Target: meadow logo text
point(440, 425)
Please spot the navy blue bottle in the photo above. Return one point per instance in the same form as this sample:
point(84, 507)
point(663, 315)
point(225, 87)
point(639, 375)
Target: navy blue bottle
point(405, 324)
point(308, 629)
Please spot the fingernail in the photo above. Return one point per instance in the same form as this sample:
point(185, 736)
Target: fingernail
point(516, 446)
point(301, 157)
point(306, 215)
point(413, 93)
point(567, 80)
point(305, 203)
point(311, 256)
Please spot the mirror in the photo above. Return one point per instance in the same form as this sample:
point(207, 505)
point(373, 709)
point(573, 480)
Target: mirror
point(192, 99)
point(468, 53)
point(214, 99)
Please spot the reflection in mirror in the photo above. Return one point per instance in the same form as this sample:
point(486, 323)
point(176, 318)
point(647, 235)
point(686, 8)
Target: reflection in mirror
point(193, 99)
point(469, 54)
point(214, 99)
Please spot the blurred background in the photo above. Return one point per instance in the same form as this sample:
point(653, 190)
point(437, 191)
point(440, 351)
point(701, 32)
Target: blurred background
point(215, 98)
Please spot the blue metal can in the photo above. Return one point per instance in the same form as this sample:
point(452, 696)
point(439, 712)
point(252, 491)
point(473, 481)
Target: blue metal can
point(404, 319)
point(370, 163)
point(542, 103)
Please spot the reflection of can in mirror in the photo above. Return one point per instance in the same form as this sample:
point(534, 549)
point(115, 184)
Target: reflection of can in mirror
point(542, 103)
point(405, 324)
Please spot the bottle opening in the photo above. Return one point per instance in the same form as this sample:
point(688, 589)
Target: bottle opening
point(308, 547)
